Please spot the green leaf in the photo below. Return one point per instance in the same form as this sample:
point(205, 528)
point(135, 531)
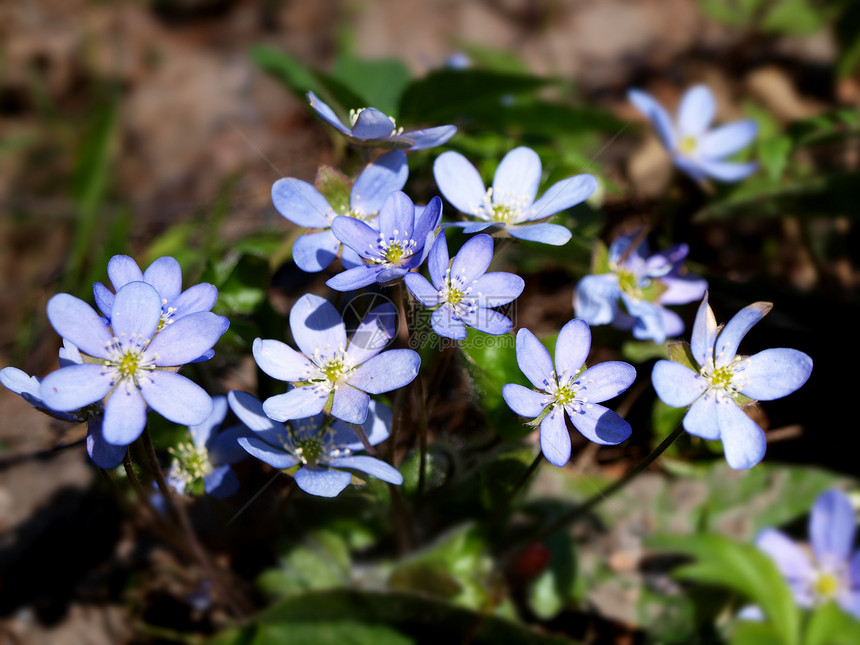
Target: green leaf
point(380, 82)
point(847, 31)
point(382, 618)
point(682, 353)
point(335, 187)
point(742, 568)
point(553, 589)
point(794, 18)
point(446, 94)
point(830, 625)
point(322, 562)
point(245, 287)
point(298, 77)
point(774, 154)
point(754, 633)
point(639, 351)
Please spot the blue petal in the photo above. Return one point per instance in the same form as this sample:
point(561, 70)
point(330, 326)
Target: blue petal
point(378, 180)
point(165, 275)
point(201, 433)
point(572, 348)
point(221, 482)
point(280, 361)
point(546, 233)
point(555, 438)
point(682, 290)
point(832, 525)
point(301, 203)
point(103, 297)
point(249, 411)
point(658, 116)
point(21, 383)
point(727, 139)
point(534, 359)
point(606, 380)
point(370, 465)
point(103, 454)
point(317, 327)
point(76, 321)
point(186, 339)
point(525, 402)
point(743, 441)
point(372, 124)
point(473, 260)
point(314, 252)
point(561, 196)
point(726, 346)
point(600, 425)
point(298, 403)
point(373, 334)
point(325, 112)
point(121, 270)
point(517, 178)
point(426, 223)
point(136, 312)
point(447, 323)
point(175, 397)
point(676, 385)
point(200, 297)
point(488, 321)
point(790, 559)
point(357, 235)
point(275, 457)
point(497, 288)
point(224, 447)
point(353, 279)
point(701, 418)
point(323, 482)
point(387, 371)
point(477, 227)
point(649, 319)
point(596, 298)
point(422, 290)
point(349, 404)
point(775, 373)
point(125, 416)
point(459, 182)
point(437, 263)
point(693, 167)
point(428, 138)
point(704, 333)
point(696, 111)
point(73, 387)
point(726, 170)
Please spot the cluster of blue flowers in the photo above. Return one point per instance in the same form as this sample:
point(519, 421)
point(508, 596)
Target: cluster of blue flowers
point(123, 360)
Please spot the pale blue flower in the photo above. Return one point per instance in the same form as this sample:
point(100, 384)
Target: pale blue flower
point(136, 359)
point(833, 571)
point(331, 373)
point(304, 205)
point(103, 454)
point(568, 387)
point(695, 149)
point(370, 127)
point(404, 239)
point(632, 294)
point(720, 382)
point(326, 453)
point(511, 203)
point(463, 293)
point(209, 455)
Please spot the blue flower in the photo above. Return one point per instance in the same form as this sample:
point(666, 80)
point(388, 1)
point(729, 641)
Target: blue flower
point(402, 242)
point(330, 373)
point(304, 205)
point(716, 382)
point(568, 387)
point(696, 150)
point(370, 127)
point(129, 363)
point(463, 293)
point(643, 283)
point(510, 204)
point(208, 455)
point(834, 571)
point(103, 454)
point(165, 275)
point(325, 452)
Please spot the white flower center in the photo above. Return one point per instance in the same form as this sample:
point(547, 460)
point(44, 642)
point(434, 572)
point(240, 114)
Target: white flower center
point(458, 295)
point(728, 380)
point(331, 369)
point(501, 211)
point(394, 250)
point(568, 390)
point(687, 145)
point(128, 360)
point(190, 462)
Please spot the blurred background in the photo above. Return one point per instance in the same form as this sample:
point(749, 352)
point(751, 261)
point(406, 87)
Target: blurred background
point(157, 128)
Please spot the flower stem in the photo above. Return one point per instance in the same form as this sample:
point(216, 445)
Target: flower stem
point(237, 606)
point(505, 507)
